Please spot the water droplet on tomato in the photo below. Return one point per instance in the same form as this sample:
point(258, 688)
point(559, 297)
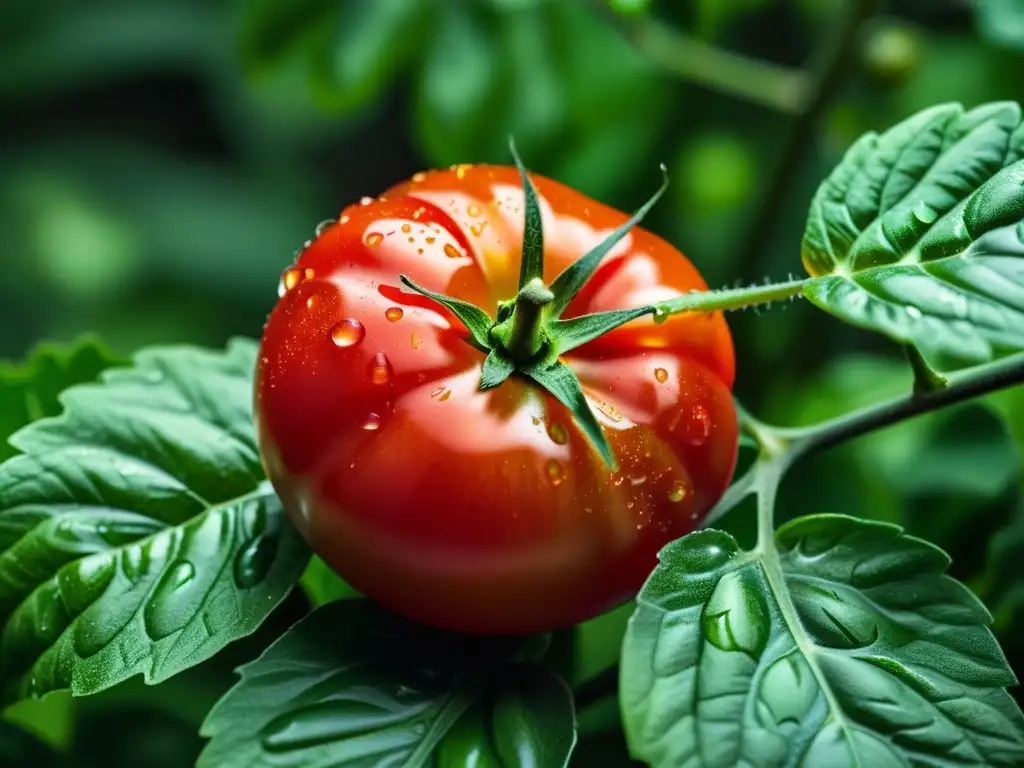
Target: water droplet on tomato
point(311, 302)
point(618, 479)
point(460, 170)
point(415, 341)
point(430, 240)
point(289, 279)
point(478, 229)
point(437, 391)
point(554, 471)
point(558, 433)
point(473, 210)
point(323, 226)
point(379, 370)
point(393, 314)
point(629, 505)
point(419, 176)
point(451, 251)
point(637, 479)
point(373, 239)
point(445, 396)
point(609, 410)
point(347, 333)
point(407, 228)
point(698, 428)
point(365, 200)
point(372, 422)
point(677, 492)
point(661, 375)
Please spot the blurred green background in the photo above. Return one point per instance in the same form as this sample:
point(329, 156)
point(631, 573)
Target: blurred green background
point(161, 160)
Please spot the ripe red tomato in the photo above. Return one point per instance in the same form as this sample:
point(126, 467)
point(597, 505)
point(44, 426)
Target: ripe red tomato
point(487, 511)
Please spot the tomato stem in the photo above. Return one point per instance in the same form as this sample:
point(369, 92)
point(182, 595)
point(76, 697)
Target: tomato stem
point(731, 298)
point(524, 334)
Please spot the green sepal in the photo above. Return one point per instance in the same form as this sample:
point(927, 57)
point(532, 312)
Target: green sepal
point(576, 275)
point(497, 368)
point(532, 263)
point(560, 381)
point(577, 331)
point(475, 319)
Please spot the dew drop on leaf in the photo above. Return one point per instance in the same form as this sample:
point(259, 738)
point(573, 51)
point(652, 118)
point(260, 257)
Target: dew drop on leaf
point(253, 563)
point(347, 333)
point(181, 573)
point(171, 605)
point(925, 213)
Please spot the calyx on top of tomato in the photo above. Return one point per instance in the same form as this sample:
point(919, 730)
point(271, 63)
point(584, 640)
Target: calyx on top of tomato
point(505, 448)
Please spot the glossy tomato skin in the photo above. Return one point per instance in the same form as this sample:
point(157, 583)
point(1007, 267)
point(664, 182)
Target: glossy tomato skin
point(487, 512)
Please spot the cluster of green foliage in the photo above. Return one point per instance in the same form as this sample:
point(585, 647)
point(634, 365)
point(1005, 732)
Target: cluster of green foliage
point(139, 537)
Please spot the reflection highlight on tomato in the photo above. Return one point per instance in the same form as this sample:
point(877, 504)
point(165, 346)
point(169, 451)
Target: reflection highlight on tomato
point(490, 447)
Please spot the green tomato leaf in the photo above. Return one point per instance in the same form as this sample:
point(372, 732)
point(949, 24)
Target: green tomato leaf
point(919, 234)
point(137, 532)
point(846, 645)
point(354, 685)
point(29, 391)
point(526, 718)
point(322, 585)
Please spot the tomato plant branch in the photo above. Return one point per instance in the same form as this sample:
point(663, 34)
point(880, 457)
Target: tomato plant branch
point(731, 298)
point(833, 61)
point(733, 74)
point(963, 386)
